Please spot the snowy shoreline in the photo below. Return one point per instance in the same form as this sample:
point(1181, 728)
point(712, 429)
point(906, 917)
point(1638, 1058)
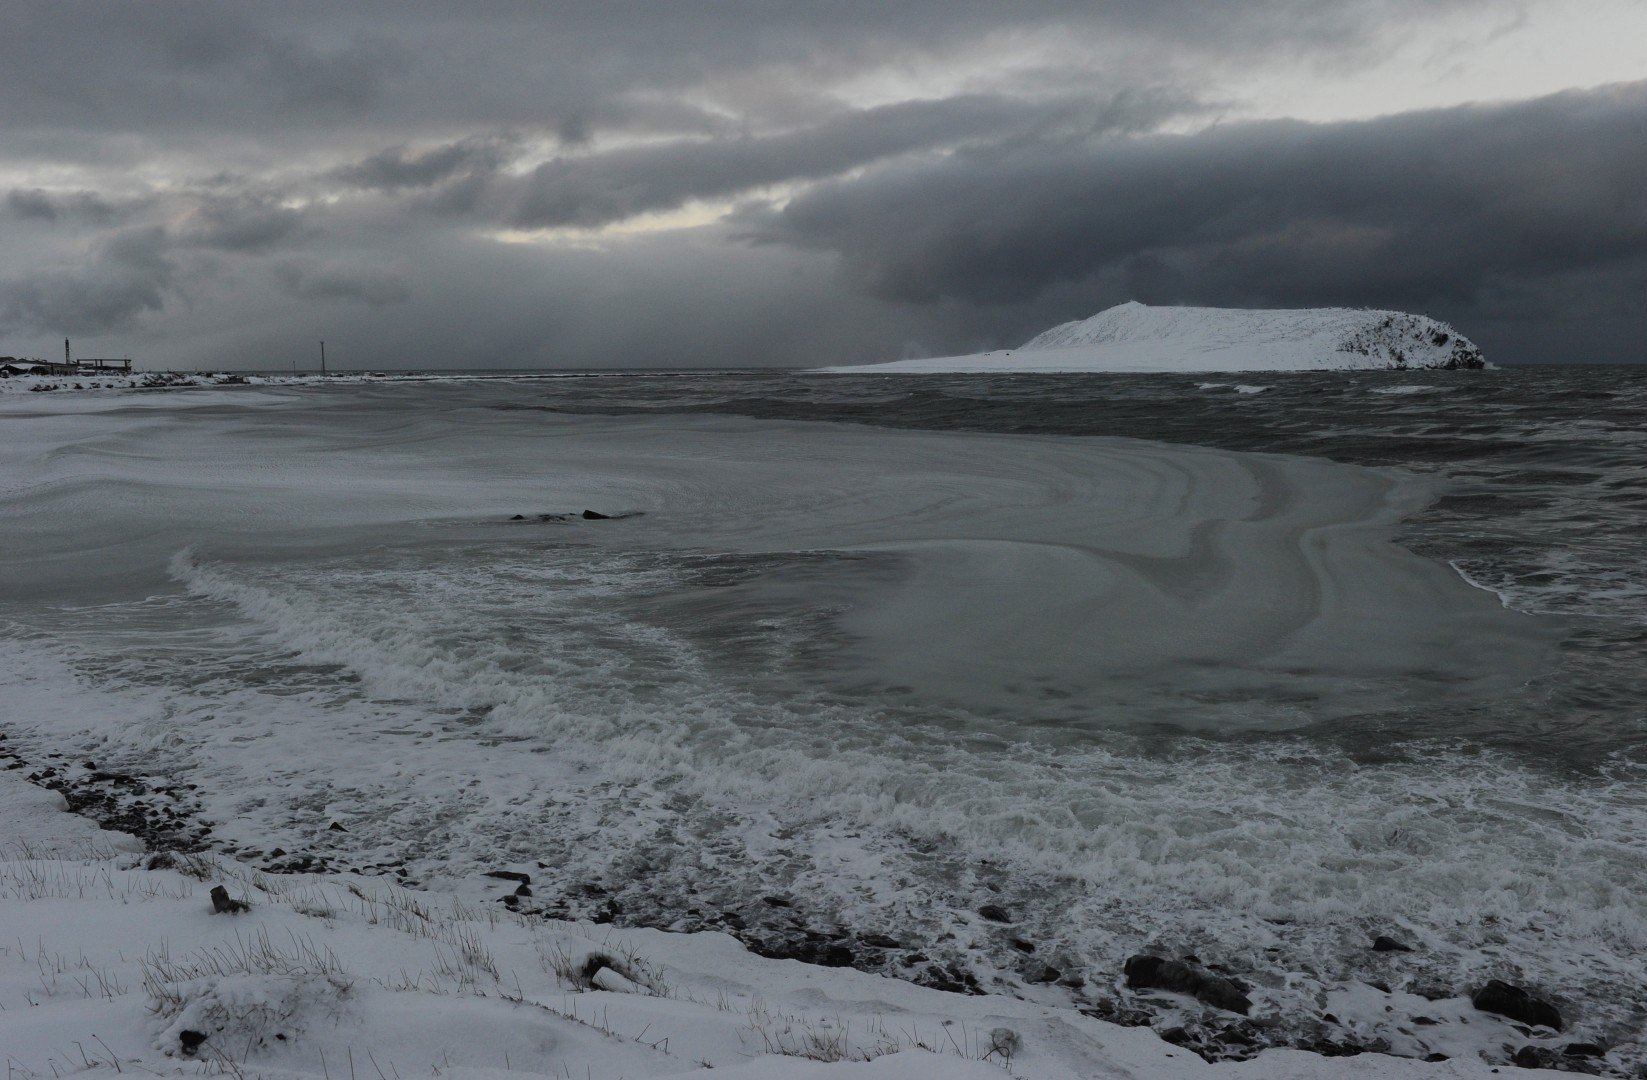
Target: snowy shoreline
point(1301, 988)
point(117, 959)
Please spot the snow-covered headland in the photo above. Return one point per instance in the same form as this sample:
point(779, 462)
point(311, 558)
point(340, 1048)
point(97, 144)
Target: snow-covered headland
point(1135, 338)
point(115, 960)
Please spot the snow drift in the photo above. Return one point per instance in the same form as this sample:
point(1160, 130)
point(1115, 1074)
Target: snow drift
point(1134, 337)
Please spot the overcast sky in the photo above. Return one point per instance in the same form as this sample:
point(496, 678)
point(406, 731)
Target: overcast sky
point(795, 182)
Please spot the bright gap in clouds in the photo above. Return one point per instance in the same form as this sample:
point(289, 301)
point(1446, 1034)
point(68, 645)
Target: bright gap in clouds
point(1494, 52)
point(1514, 52)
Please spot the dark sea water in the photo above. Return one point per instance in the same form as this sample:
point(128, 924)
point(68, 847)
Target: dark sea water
point(1254, 668)
point(1545, 471)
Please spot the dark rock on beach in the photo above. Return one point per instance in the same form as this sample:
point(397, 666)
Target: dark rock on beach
point(1535, 1057)
point(1516, 1004)
point(1145, 972)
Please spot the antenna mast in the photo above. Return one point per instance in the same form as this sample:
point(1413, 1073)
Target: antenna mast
point(322, 358)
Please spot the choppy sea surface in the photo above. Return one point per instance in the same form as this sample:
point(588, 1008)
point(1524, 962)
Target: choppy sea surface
point(1253, 669)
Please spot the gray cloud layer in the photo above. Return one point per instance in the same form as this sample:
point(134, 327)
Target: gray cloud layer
point(1479, 211)
point(218, 178)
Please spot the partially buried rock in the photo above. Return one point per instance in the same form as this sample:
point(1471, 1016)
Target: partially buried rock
point(1515, 1003)
point(1534, 1057)
point(1158, 973)
point(224, 904)
point(995, 913)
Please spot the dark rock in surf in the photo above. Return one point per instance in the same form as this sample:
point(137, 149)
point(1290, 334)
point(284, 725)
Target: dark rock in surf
point(1585, 1049)
point(510, 875)
point(591, 515)
point(518, 517)
point(1385, 943)
point(1516, 1004)
point(995, 913)
point(1158, 973)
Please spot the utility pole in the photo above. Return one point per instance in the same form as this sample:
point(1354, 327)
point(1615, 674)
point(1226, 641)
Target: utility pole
point(66, 361)
point(323, 359)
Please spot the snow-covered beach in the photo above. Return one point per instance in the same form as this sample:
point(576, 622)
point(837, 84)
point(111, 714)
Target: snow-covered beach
point(828, 690)
point(117, 962)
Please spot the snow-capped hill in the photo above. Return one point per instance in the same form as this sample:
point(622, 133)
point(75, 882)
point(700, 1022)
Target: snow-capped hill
point(1134, 337)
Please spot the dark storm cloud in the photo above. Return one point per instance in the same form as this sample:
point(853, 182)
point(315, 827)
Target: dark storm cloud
point(398, 167)
point(240, 222)
point(1437, 209)
point(184, 66)
point(194, 69)
point(595, 189)
point(42, 205)
point(357, 284)
point(129, 276)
